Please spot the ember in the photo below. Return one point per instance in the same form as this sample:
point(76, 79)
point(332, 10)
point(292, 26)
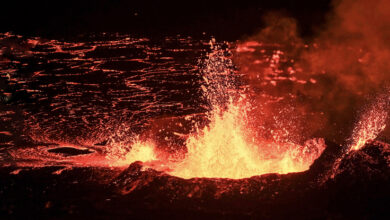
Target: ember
point(371, 123)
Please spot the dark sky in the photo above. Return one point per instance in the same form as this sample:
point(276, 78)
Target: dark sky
point(224, 19)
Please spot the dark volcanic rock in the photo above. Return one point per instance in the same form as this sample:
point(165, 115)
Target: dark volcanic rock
point(70, 151)
point(372, 161)
point(361, 184)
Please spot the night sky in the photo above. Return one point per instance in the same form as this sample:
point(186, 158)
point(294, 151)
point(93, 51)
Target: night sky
point(226, 20)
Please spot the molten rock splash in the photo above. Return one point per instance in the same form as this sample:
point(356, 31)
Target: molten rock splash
point(227, 147)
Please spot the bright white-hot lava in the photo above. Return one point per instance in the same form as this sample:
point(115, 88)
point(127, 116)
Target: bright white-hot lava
point(223, 149)
point(226, 147)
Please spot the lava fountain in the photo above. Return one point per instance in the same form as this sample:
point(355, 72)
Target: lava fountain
point(371, 123)
point(227, 147)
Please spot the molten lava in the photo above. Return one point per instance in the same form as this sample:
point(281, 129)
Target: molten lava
point(223, 149)
point(227, 147)
point(140, 151)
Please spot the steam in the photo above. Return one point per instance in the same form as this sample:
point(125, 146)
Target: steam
point(331, 77)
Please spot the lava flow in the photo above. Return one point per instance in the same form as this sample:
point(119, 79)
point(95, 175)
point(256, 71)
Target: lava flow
point(243, 136)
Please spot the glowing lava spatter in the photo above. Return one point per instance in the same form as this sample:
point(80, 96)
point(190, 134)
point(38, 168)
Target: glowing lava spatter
point(140, 151)
point(371, 123)
point(222, 149)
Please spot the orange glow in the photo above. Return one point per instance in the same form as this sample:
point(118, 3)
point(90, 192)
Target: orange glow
point(247, 134)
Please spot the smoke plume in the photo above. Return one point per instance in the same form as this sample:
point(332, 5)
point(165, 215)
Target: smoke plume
point(328, 79)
